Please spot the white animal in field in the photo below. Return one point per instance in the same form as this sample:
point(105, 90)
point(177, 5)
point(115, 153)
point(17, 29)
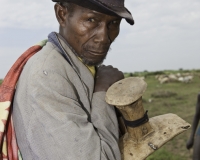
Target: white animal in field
point(164, 80)
point(185, 79)
point(173, 78)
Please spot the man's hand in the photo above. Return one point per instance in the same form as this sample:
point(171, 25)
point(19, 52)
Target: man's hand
point(189, 143)
point(105, 77)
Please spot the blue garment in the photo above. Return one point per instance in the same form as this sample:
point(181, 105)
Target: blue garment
point(198, 131)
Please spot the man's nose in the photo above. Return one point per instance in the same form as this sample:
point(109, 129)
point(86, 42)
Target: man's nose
point(102, 34)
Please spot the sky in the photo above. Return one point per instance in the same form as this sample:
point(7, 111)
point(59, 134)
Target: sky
point(165, 36)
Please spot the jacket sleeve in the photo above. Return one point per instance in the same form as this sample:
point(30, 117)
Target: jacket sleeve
point(50, 121)
point(105, 121)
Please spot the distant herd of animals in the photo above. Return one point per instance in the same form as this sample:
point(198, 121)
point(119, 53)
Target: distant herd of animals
point(178, 77)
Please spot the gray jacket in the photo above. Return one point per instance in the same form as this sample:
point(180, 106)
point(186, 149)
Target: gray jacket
point(56, 114)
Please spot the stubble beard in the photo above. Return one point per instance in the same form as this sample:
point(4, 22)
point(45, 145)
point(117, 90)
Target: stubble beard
point(90, 63)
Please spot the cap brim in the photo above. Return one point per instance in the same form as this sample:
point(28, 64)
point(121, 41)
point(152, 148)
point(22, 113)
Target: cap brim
point(94, 5)
point(121, 12)
point(165, 128)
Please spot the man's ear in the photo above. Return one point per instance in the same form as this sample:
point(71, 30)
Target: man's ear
point(61, 14)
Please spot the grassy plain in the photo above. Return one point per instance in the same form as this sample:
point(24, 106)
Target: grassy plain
point(182, 102)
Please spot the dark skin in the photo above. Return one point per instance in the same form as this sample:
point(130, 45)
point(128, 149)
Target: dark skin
point(90, 34)
point(195, 140)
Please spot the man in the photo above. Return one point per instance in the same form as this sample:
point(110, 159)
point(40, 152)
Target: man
point(195, 140)
point(59, 109)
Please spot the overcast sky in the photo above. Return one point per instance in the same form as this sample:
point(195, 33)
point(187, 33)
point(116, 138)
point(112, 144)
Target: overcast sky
point(166, 34)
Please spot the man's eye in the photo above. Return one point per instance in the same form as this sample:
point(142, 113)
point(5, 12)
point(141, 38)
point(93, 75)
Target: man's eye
point(115, 22)
point(91, 20)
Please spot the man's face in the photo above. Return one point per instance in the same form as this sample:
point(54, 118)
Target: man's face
point(90, 33)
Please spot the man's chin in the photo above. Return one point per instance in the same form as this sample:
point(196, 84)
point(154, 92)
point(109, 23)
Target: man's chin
point(92, 63)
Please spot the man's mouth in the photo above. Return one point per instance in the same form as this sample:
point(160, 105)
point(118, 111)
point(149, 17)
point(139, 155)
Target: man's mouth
point(97, 53)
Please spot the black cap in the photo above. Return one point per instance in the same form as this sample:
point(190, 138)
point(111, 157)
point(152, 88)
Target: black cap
point(115, 7)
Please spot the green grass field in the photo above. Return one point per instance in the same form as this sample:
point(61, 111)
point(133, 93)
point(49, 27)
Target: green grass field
point(181, 102)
